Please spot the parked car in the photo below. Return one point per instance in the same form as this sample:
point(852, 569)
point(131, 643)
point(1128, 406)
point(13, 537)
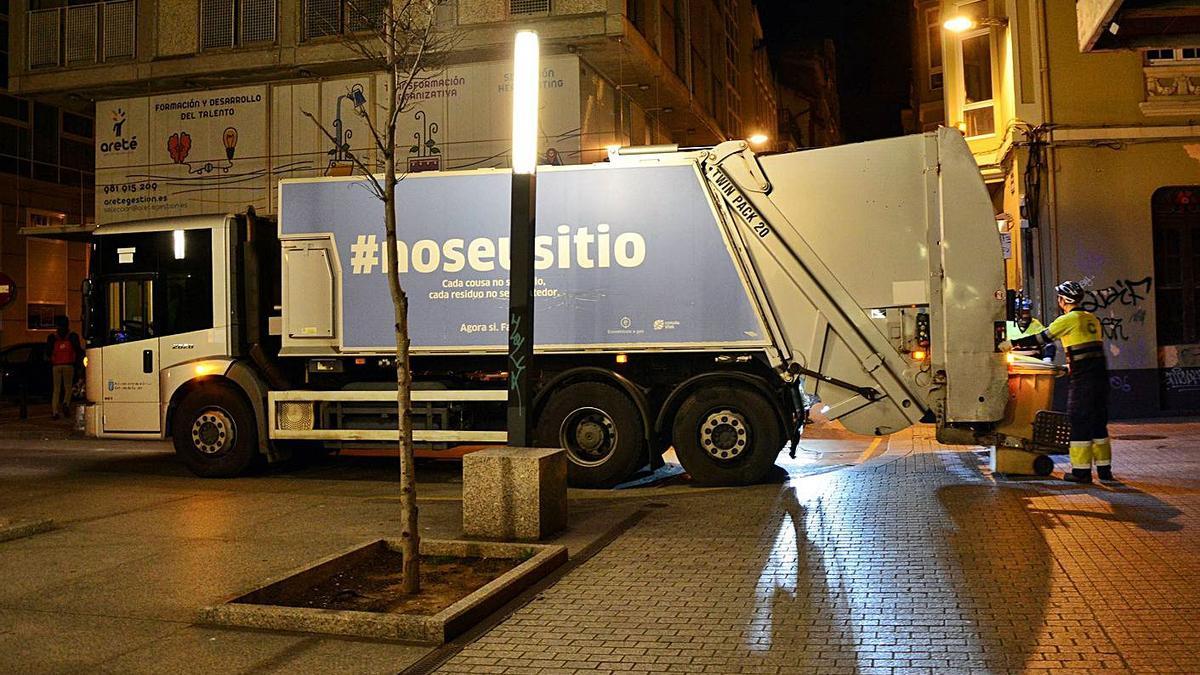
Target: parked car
point(24, 360)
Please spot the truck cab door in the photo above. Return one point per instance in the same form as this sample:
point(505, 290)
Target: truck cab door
point(130, 360)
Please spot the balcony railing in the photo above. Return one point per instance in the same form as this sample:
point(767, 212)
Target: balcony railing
point(81, 34)
point(1172, 89)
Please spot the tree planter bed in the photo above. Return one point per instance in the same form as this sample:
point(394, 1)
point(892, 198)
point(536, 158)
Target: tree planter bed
point(356, 592)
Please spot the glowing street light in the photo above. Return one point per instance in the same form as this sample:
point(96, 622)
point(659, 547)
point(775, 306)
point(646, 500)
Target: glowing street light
point(959, 24)
point(527, 80)
point(758, 139)
point(962, 24)
point(526, 83)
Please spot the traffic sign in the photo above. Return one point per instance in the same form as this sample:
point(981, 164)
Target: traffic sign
point(8, 290)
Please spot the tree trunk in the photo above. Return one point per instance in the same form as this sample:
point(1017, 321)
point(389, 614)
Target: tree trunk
point(409, 535)
point(410, 539)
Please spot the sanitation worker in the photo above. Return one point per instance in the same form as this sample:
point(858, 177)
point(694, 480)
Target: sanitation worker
point(1087, 393)
point(1025, 326)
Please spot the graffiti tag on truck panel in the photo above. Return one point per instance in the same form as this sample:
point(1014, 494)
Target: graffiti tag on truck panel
point(738, 202)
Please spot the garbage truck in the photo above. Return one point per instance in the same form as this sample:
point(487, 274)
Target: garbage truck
point(694, 299)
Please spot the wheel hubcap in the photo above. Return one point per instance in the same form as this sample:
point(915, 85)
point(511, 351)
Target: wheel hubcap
point(589, 436)
point(725, 435)
point(213, 431)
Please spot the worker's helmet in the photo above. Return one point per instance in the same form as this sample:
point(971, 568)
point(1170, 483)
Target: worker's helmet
point(1070, 291)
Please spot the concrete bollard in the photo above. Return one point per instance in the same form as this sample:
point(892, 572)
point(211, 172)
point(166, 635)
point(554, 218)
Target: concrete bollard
point(514, 494)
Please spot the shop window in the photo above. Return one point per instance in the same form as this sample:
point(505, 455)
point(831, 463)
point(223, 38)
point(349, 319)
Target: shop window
point(45, 278)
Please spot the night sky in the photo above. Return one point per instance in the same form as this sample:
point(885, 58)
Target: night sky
point(872, 42)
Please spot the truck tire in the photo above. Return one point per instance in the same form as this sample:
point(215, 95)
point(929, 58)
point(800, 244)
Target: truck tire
point(600, 430)
point(214, 432)
point(726, 435)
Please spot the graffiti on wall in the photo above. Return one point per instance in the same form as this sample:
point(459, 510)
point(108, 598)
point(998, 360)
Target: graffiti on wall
point(1123, 293)
point(1182, 379)
point(1120, 307)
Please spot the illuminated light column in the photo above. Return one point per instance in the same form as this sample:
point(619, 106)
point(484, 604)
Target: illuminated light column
point(526, 83)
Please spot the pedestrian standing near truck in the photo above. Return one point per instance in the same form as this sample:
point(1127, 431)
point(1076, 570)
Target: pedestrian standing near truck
point(66, 353)
point(1087, 394)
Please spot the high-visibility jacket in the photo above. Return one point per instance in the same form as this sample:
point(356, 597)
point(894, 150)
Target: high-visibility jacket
point(1079, 331)
point(1015, 333)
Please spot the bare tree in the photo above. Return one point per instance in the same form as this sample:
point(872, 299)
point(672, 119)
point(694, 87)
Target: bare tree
point(402, 39)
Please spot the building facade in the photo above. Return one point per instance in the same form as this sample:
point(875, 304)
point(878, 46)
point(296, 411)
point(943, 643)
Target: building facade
point(661, 70)
point(46, 179)
point(201, 105)
point(927, 106)
point(1092, 158)
point(809, 106)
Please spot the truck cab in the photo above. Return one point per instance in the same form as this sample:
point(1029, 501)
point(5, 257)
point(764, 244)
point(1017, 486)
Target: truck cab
point(158, 313)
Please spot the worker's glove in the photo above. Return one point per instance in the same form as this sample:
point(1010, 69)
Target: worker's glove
point(1006, 346)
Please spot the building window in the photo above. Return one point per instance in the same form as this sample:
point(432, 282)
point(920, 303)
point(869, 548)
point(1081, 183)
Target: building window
point(933, 46)
point(978, 107)
point(334, 17)
point(79, 33)
point(528, 6)
point(229, 23)
point(1177, 264)
point(1162, 57)
point(45, 276)
point(4, 44)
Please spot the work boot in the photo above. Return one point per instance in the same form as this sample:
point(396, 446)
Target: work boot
point(1078, 476)
point(1105, 474)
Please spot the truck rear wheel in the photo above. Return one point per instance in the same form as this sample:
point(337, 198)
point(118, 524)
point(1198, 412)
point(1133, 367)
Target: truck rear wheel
point(726, 435)
point(214, 432)
point(599, 428)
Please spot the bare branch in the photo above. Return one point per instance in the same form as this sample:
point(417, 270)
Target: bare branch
point(376, 187)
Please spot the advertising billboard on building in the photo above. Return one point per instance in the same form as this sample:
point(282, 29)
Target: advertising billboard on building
point(221, 151)
point(181, 154)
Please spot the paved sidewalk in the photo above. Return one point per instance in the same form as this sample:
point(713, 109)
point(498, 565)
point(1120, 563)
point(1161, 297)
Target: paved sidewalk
point(917, 561)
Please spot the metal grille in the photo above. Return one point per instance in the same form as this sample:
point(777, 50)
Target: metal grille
point(365, 14)
point(294, 415)
point(216, 24)
point(1052, 430)
point(322, 17)
point(120, 27)
point(43, 38)
point(80, 42)
point(528, 6)
point(257, 21)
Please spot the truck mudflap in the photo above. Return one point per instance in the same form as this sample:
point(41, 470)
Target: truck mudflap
point(903, 248)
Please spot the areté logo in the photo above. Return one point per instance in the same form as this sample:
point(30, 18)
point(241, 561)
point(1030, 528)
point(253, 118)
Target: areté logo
point(119, 143)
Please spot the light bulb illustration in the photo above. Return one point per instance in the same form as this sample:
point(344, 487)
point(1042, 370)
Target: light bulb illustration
point(229, 138)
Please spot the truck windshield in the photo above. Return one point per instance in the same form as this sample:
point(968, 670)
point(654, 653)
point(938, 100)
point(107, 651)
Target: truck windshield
point(152, 284)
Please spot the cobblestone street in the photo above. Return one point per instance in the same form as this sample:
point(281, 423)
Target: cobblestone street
point(916, 561)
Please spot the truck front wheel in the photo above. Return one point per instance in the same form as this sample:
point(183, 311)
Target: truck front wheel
point(600, 430)
point(214, 432)
point(726, 435)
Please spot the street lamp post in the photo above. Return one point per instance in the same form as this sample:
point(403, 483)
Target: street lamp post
point(526, 81)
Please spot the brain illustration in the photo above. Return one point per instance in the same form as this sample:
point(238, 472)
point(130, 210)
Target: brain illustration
point(178, 146)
